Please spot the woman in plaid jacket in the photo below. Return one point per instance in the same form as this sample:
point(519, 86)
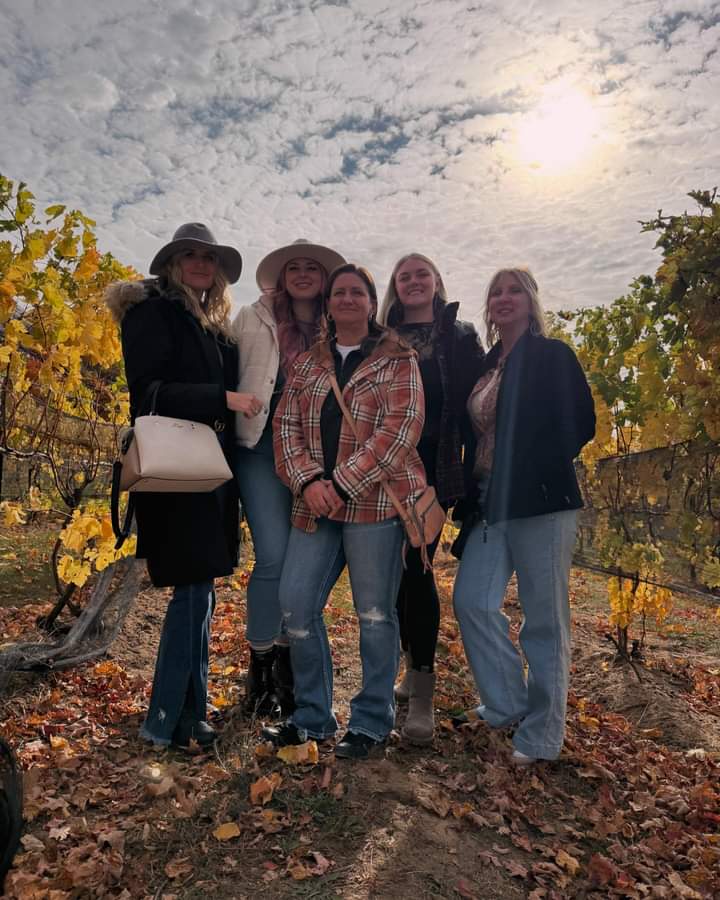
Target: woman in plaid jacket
point(341, 513)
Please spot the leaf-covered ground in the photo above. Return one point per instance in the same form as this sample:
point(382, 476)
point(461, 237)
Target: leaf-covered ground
point(631, 809)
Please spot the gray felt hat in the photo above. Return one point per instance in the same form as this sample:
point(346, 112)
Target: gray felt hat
point(193, 234)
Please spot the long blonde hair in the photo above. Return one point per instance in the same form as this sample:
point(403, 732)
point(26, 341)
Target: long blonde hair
point(391, 308)
point(214, 313)
point(527, 282)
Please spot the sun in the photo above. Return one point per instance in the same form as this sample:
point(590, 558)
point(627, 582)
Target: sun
point(560, 132)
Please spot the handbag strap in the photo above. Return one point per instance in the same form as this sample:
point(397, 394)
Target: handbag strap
point(401, 511)
point(121, 533)
point(152, 393)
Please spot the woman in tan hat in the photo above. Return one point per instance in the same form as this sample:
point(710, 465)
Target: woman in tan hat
point(271, 333)
point(178, 350)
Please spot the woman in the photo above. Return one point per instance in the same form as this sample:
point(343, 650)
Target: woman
point(532, 412)
point(175, 331)
point(271, 334)
point(449, 353)
point(341, 514)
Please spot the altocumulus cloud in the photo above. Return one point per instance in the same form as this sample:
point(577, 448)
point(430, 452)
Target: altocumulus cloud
point(378, 128)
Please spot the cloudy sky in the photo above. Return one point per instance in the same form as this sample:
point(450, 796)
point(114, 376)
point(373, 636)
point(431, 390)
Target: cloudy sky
point(480, 133)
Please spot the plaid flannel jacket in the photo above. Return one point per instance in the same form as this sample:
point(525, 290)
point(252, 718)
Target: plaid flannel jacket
point(385, 398)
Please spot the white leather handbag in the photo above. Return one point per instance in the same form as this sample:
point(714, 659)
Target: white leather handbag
point(165, 454)
point(160, 454)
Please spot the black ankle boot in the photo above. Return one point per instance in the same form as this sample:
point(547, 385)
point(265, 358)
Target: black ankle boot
point(260, 684)
point(284, 680)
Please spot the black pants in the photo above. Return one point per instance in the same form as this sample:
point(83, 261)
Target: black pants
point(418, 604)
point(418, 608)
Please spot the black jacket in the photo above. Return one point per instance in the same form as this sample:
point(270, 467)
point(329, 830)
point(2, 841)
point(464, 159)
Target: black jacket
point(186, 538)
point(545, 416)
point(459, 354)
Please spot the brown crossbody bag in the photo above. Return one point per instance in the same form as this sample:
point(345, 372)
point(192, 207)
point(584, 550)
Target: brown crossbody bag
point(424, 519)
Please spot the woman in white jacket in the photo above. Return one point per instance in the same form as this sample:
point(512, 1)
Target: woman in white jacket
point(271, 334)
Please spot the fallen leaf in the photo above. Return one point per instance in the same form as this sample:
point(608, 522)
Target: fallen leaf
point(264, 750)
point(227, 831)
point(179, 868)
point(30, 843)
point(683, 890)
point(601, 870)
point(297, 754)
point(261, 791)
point(322, 863)
point(299, 872)
point(569, 863)
point(160, 788)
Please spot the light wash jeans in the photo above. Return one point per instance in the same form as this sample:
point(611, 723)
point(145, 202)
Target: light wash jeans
point(539, 549)
point(314, 561)
point(181, 668)
point(267, 504)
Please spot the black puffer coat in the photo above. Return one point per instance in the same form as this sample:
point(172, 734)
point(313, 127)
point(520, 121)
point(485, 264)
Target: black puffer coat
point(185, 538)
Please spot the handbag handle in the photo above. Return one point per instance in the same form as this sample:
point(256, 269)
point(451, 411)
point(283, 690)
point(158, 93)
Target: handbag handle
point(152, 393)
point(400, 509)
point(121, 532)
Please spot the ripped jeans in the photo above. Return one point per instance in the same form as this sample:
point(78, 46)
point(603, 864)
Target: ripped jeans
point(313, 564)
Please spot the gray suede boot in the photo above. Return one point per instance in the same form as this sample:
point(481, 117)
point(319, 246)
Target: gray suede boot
point(419, 726)
point(402, 690)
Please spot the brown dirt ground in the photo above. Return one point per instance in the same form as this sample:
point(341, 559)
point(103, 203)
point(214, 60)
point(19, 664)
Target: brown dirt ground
point(397, 826)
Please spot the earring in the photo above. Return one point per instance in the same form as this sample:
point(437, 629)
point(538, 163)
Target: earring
point(329, 317)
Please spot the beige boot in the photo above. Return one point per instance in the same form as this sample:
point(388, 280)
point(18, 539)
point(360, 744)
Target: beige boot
point(419, 726)
point(402, 690)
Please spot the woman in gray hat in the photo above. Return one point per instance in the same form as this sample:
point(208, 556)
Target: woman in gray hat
point(271, 334)
point(176, 344)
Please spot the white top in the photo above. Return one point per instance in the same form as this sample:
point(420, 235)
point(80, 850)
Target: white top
point(345, 351)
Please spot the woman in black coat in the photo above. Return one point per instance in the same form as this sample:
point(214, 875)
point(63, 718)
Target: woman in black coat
point(175, 336)
point(449, 354)
point(532, 412)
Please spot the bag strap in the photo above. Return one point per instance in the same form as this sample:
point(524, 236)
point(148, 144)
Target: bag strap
point(151, 394)
point(120, 533)
point(400, 509)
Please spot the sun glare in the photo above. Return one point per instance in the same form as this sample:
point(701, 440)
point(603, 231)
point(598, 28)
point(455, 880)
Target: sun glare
point(559, 133)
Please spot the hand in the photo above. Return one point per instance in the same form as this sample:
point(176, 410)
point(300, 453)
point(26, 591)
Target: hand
point(335, 499)
point(247, 404)
point(322, 498)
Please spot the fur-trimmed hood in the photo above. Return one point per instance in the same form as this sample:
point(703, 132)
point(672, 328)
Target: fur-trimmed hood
point(123, 295)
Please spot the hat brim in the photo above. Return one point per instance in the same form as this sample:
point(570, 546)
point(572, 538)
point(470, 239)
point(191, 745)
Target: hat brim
point(230, 259)
point(270, 267)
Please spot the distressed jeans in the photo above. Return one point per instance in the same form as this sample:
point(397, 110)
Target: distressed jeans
point(267, 504)
point(181, 668)
point(539, 549)
point(314, 562)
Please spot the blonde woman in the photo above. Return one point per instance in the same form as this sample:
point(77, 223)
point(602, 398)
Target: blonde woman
point(449, 353)
point(176, 345)
point(532, 412)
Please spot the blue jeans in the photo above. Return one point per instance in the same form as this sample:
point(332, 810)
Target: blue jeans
point(539, 549)
point(312, 566)
point(181, 668)
point(267, 504)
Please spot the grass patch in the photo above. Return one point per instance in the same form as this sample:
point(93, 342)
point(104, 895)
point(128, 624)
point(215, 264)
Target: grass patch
point(25, 574)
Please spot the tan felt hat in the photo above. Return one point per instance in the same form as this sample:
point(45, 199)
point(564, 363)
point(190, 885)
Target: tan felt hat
point(272, 265)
